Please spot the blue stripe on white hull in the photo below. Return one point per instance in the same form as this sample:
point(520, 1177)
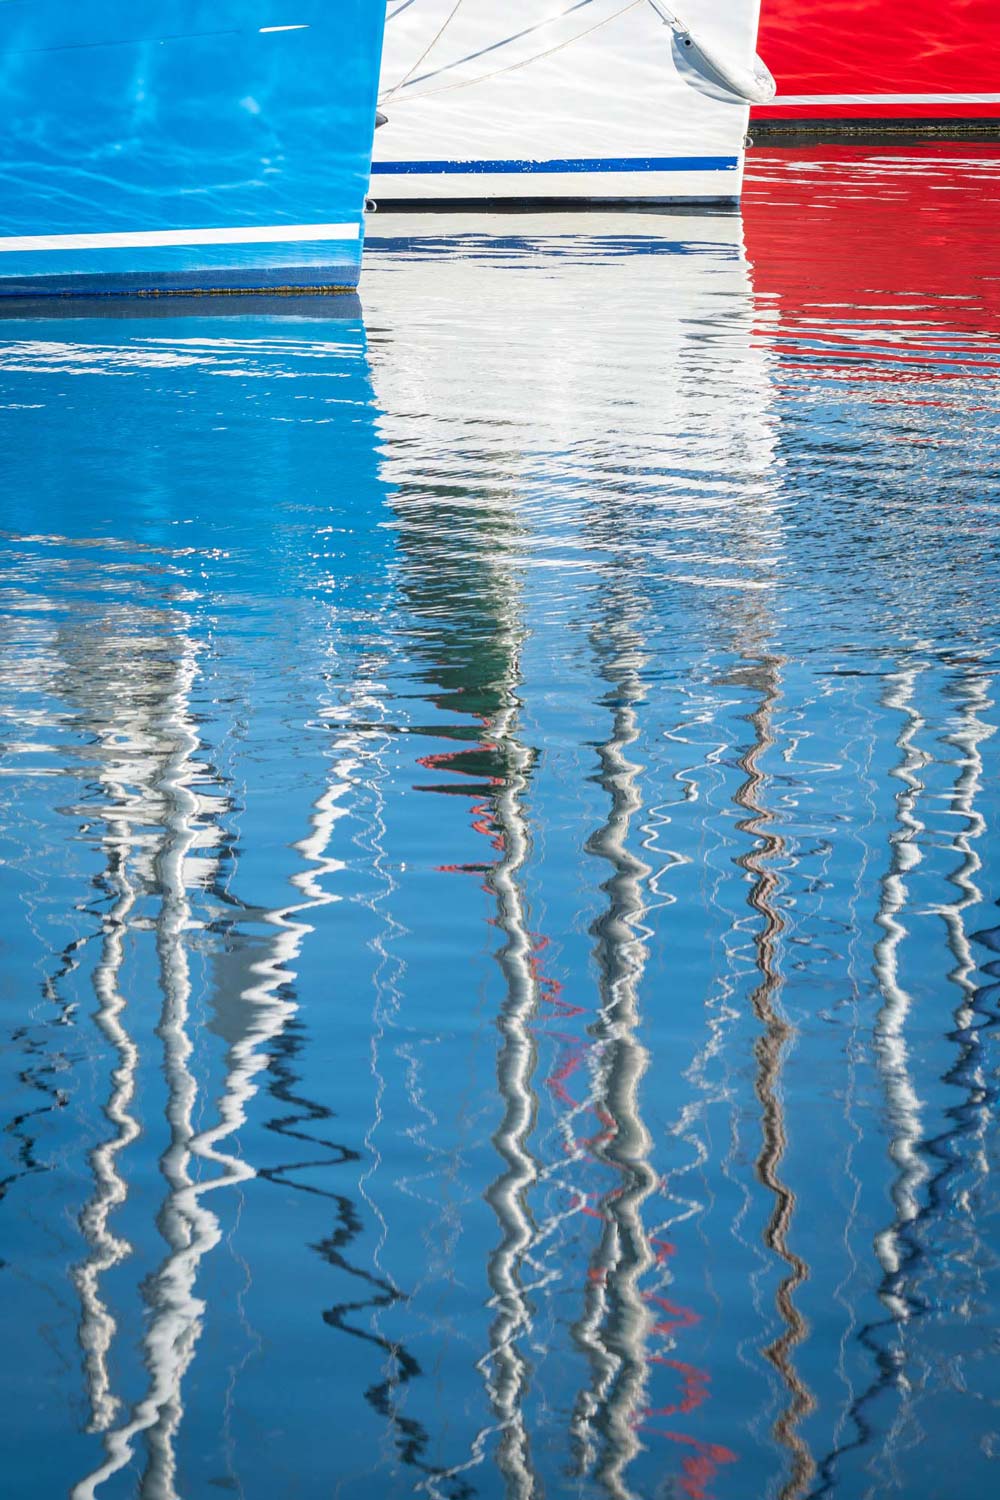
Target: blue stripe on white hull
point(562, 167)
point(638, 179)
point(184, 144)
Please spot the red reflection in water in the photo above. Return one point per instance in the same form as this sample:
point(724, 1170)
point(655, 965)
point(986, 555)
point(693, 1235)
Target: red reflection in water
point(887, 258)
point(882, 47)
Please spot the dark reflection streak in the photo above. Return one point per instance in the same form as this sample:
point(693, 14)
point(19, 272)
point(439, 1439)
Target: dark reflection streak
point(411, 1440)
point(769, 1053)
point(281, 1080)
point(346, 1317)
point(617, 1319)
point(284, 1048)
point(900, 1248)
point(37, 1077)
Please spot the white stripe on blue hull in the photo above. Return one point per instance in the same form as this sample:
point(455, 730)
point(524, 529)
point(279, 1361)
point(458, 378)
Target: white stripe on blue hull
point(263, 234)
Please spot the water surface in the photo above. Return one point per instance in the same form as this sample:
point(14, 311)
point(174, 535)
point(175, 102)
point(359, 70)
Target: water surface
point(498, 823)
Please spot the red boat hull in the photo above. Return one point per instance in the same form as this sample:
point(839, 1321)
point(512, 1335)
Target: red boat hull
point(881, 60)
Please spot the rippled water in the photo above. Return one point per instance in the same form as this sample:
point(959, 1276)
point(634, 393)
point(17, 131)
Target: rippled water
point(499, 805)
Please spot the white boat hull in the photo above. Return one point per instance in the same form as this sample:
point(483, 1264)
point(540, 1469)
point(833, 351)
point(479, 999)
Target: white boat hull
point(560, 100)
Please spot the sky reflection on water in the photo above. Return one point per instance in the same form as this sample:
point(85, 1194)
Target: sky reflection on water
point(498, 799)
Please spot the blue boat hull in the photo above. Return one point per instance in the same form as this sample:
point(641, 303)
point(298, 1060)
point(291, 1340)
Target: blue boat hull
point(184, 145)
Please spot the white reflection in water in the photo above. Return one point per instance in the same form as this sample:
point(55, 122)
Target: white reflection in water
point(163, 768)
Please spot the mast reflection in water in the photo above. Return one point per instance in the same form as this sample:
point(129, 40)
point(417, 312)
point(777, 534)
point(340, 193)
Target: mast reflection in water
point(499, 992)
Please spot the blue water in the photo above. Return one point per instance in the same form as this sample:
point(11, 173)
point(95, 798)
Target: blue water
point(499, 807)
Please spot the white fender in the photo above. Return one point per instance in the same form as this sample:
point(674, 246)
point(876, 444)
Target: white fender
point(755, 84)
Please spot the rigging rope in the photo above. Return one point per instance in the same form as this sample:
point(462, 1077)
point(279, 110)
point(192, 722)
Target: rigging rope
point(426, 52)
point(525, 62)
point(495, 46)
